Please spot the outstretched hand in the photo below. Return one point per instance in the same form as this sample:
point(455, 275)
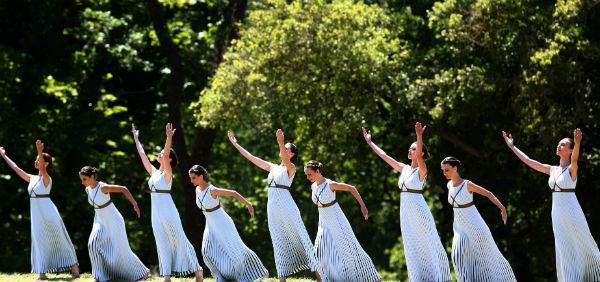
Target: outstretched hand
point(231, 137)
point(508, 139)
point(2, 151)
point(419, 129)
point(279, 134)
point(137, 210)
point(169, 130)
point(39, 146)
point(365, 212)
point(504, 215)
point(367, 135)
point(134, 131)
point(250, 209)
point(577, 135)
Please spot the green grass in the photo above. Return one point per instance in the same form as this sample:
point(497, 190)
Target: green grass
point(21, 277)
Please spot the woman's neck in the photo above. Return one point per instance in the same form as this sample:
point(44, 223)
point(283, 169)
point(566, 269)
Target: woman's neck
point(94, 184)
point(203, 185)
point(456, 180)
point(565, 161)
point(320, 180)
point(414, 163)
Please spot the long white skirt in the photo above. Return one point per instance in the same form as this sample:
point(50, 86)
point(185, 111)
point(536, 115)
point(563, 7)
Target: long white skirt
point(176, 254)
point(426, 259)
point(291, 244)
point(340, 256)
point(224, 252)
point(577, 255)
point(475, 255)
point(109, 249)
point(51, 247)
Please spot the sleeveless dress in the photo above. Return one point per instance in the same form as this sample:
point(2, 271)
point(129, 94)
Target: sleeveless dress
point(340, 256)
point(51, 247)
point(577, 255)
point(474, 253)
point(291, 244)
point(175, 252)
point(224, 252)
point(426, 259)
point(108, 246)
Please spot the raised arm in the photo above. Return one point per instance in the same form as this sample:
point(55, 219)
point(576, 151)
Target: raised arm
point(111, 188)
point(336, 186)
point(14, 166)
point(577, 136)
point(42, 162)
point(419, 129)
point(232, 193)
point(169, 131)
point(544, 168)
point(474, 188)
point(145, 161)
point(291, 168)
point(389, 160)
point(255, 160)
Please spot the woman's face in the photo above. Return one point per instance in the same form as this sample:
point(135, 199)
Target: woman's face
point(288, 150)
point(195, 179)
point(311, 175)
point(87, 181)
point(563, 148)
point(449, 171)
point(411, 151)
point(36, 164)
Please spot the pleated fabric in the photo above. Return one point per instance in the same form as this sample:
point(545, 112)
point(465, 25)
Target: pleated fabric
point(224, 252)
point(291, 244)
point(426, 259)
point(340, 256)
point(475, 255)
point(51, 247)
point(577, 255)
point(176, 254)
point(108, 246)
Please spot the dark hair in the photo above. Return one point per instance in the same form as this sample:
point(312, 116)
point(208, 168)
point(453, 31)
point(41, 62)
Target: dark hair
point(314, 165)
point(452, 161)
point(571, 143)
point(294, 150)
point(200, 171)
point(425, 151)
point(47, 160)
point(88, 171)
point(174, 158)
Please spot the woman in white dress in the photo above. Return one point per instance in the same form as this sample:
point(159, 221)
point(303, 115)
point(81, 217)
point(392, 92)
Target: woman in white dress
point(224, 252)
point(176, 254)
point(475, 255)
point(340, 256)
point(426, 259)
point(108, 245)
point(291, 244)
point(51, 247)
point(577, 255)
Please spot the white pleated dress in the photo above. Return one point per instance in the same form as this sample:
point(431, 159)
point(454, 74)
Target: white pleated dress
point(577, 255)
point(340, 256)
point(291, 244)
point(426, 259)
point(51, 247)
point(224, 252)
point(475, 255)
point(176, 254)
point(110, 253)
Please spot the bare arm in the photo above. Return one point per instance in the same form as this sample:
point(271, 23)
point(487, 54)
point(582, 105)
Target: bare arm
point(335, 186)
point(419, 151)
point(136, 137)
point(111, 188)
point(577, 136)
point(474, 188)
point(169, 131)
point(544, 168)
point(41, 162)
point(389, 160)
point(291, 168)
point(255, 160)
point(232, 193)
point(14, 166)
